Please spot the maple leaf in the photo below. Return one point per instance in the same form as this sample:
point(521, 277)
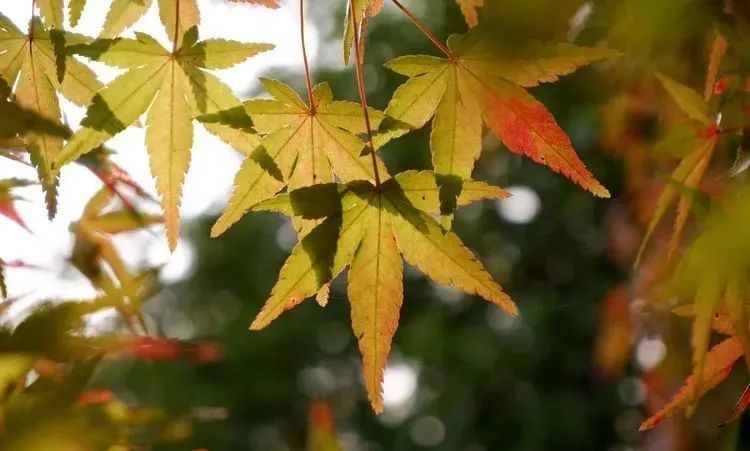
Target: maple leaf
point(719, 362)
point(712, 272)
point(700, 138)
point(75, 10)
point(52, 13)
point(483, 82)
point(114, 177)
point(122, 14)
point(718, 49)
point(18, 121)
point(369, 230)
point(8, 199)
point(469, 10)
point(34, 64)
point(363, 11)
point(95, 256)
point(175, 88)
point(302, 146)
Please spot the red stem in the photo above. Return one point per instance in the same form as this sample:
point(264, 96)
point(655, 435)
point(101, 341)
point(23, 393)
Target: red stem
point(423, 28)
point(308, 78)
point(363, 93)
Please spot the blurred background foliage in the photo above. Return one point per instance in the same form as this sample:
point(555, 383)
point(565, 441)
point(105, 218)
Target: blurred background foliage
point(585, 362)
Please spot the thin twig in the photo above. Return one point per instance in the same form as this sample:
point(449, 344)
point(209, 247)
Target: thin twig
point(363, 93)
point(308, 78)
point(423, 28)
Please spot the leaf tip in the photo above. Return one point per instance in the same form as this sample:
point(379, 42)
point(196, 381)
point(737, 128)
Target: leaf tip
point(601, 191)
point(259, 323)
point(217, 230)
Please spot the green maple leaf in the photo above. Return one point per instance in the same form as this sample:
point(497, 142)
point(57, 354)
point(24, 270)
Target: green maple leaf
point(483, 82)
point(17, 121)
point(51, 12)
point(363, 11)
point(177, 88)
point(699, 142)
point(369, 230)
point(124, 13)
point(302, 146)
point(38, 68)
point(713, 272)
point(93, 250)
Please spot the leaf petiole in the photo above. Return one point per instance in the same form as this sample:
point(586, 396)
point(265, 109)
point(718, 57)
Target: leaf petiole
point(362, 92)
point(423, 28)
point(308, 78)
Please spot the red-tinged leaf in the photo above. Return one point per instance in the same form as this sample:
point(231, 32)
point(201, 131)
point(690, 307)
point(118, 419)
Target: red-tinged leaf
point(740, 407)
point(322, 433)
point(8, 210)
point(687, 167)
point(720, 323)
point(614, 343)
point(691, 183)
point(158, 349)
point(721, 85)
point(148, 348)
point(718, 49)
point(267, 3)
point(8, 199)
point(526, 127)
point(718, 364)
point(95, 396)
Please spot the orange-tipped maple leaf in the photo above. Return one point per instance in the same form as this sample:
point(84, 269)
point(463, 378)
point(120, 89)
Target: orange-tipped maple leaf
point(482, 82)
point(719, 362)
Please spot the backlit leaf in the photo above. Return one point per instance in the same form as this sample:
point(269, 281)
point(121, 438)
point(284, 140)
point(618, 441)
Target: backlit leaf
point(689, 101)
point(371, 230)
point(483, 83)
point(122, 14)
point(38, 69)
point(178, 16)
point(52, 13)
point(302, 147)
point(719, 363)
point(175, 89)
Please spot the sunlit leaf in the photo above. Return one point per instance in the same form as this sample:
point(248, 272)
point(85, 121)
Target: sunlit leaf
point(174, 90)
point(122, 14)
point(689, 101)
point(302, 147)
point(482, 83)
point(370, 230)
point(34, 64)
